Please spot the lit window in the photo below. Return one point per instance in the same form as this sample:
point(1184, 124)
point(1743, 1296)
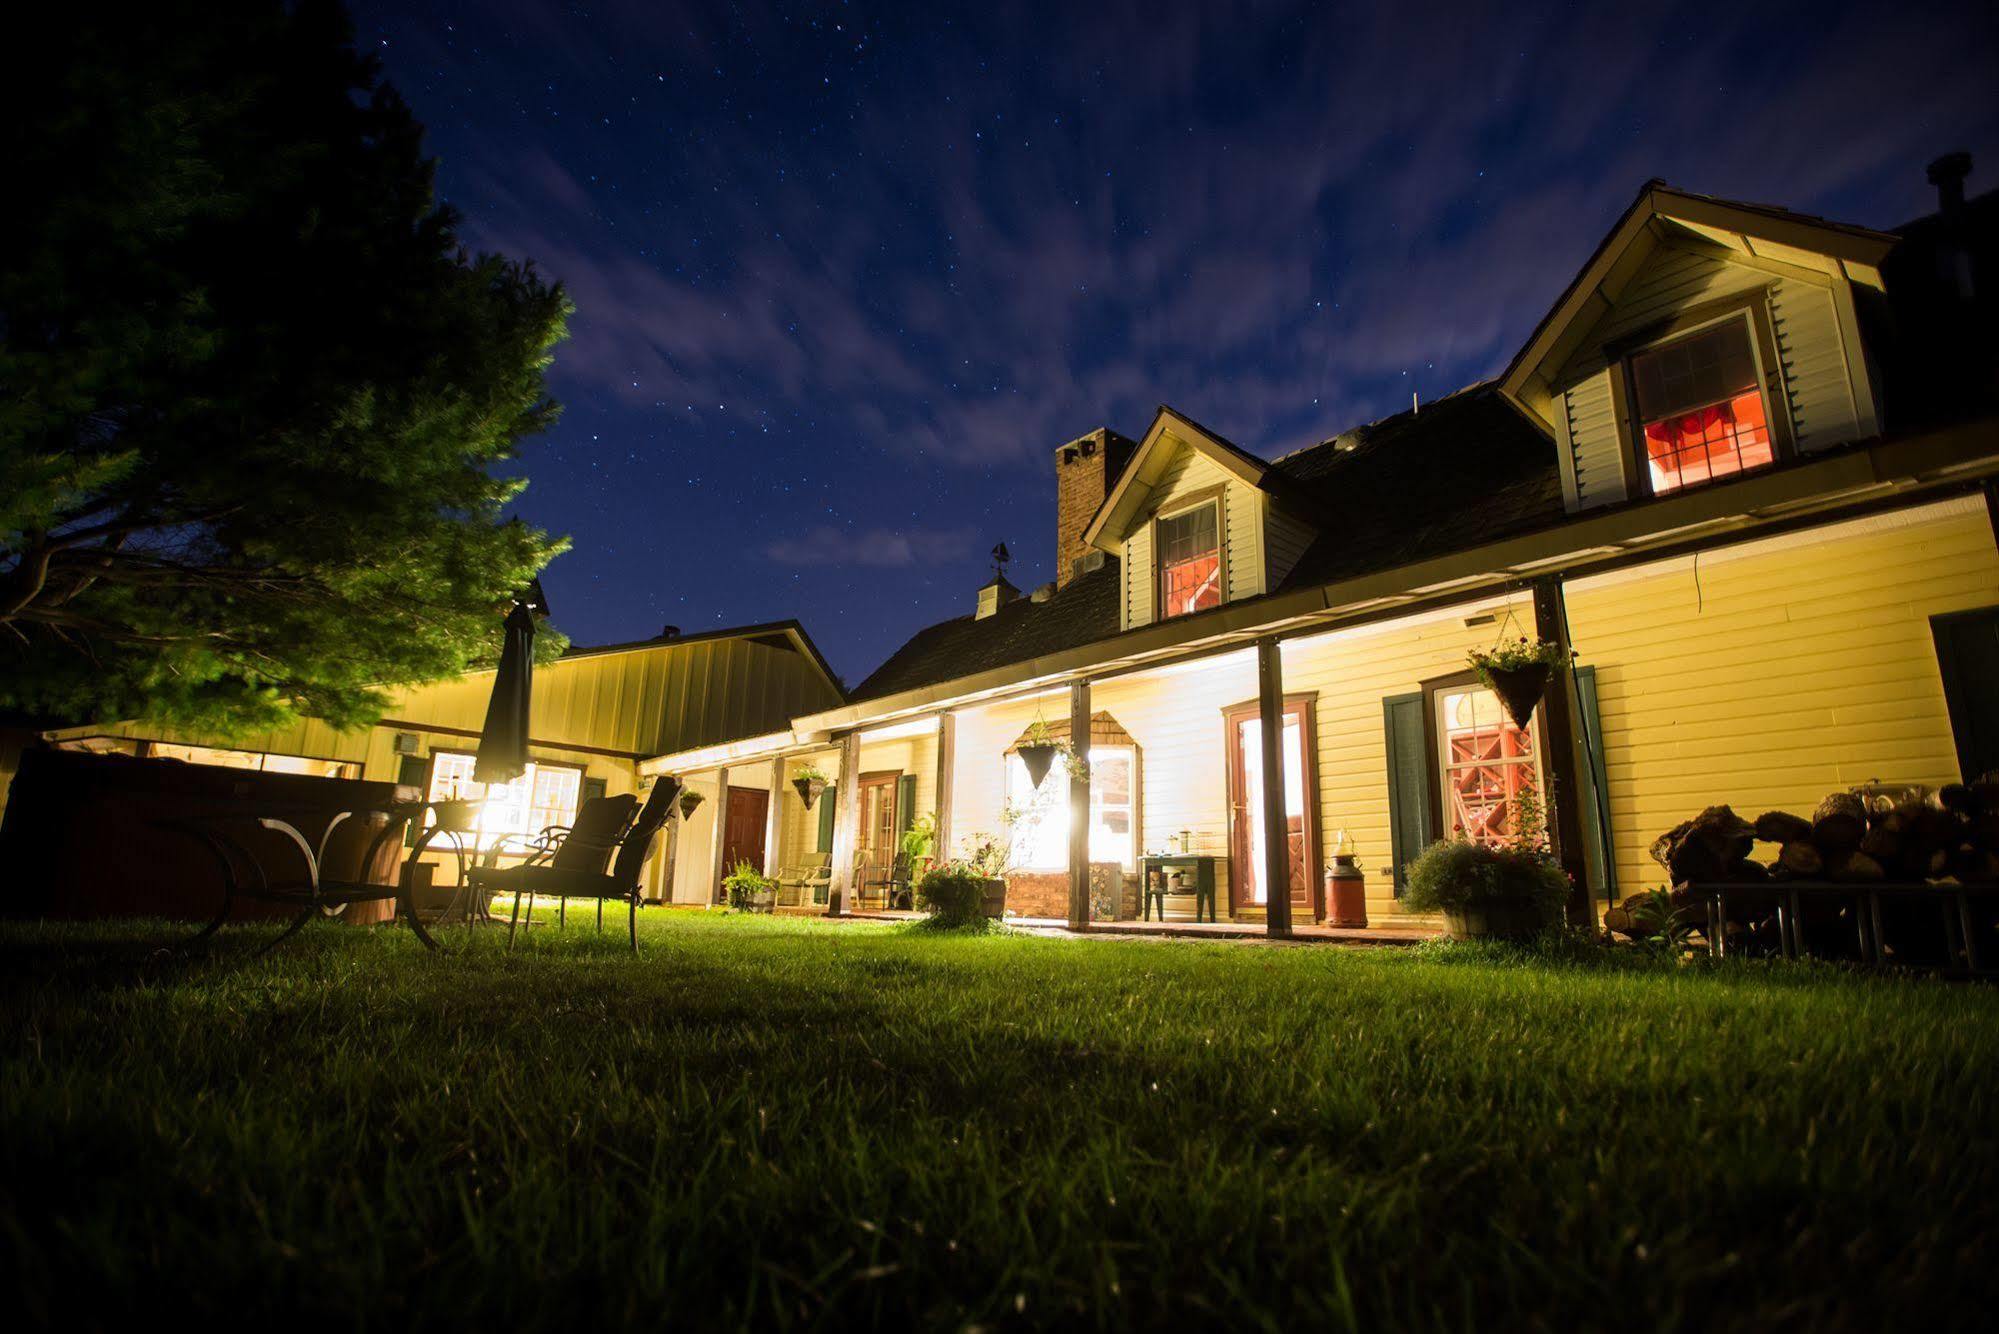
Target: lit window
point(547, 794)
point(1190, 562)
point(1041, 823)
point(1700, 407)
point(1486, 764)
point(221, 758)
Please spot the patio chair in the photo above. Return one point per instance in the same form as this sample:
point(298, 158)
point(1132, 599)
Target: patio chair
point(874, 875)
point(619, 884)
point(585, 845)
point(805, 884)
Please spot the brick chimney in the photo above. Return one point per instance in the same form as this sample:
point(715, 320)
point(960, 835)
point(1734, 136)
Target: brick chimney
point(1085, 471)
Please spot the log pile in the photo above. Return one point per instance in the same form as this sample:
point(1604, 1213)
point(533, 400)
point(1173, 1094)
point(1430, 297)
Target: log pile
point(1951, 837)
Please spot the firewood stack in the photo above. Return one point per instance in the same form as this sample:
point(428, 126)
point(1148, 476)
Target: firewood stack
point(1951, 837)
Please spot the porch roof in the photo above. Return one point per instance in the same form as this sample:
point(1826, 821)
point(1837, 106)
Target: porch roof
point(1833, 482)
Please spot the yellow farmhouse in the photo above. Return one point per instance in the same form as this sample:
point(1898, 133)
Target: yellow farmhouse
point(1744, 467)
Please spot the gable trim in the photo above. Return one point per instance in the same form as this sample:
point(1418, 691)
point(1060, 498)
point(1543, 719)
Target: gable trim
point(1237, 462)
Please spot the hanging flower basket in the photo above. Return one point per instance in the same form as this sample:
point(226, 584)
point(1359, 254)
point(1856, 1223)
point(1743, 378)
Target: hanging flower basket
point(1039, 757)
point(688, 801)
point(808, 789)
point(1518, 673)
point(1519, 688)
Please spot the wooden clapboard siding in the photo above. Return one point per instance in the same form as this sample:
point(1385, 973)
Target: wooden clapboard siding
point(1595, 449)
point(1824, 405)
point(1793, 667)
point(1140, 588)
point(1187, 473)
point(1351, 675)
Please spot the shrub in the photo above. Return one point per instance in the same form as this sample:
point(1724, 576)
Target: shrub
point(749, 889)
point(953, 895)
point(1455, 873)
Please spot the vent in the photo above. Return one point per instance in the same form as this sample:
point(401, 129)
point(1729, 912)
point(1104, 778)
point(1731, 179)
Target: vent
point(407, 743)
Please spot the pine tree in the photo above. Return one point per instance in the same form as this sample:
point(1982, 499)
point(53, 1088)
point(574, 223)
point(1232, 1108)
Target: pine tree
point(253, 390)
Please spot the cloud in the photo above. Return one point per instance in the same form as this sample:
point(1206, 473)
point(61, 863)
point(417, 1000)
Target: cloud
point(881, 548)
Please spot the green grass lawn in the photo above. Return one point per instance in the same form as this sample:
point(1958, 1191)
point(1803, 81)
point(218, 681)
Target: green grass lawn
point(806, 1124)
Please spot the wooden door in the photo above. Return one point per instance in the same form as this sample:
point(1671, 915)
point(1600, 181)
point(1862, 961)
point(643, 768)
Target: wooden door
point(1244, 726)
point(743, 833)
point(878, 836)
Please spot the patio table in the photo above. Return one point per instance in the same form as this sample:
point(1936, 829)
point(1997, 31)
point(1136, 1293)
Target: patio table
point(311, 890)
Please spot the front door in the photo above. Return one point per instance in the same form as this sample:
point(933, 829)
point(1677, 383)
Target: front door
point(1247, 892)
point(878, 840)
point(743, 832)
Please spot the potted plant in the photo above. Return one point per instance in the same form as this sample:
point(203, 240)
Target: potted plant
point(1508, 891)
point(918, 840)
point(689, 801)
point(809, 782)
point(749, 889)
point(1518, 673)
point(1037, 751)
point(955, 895)
point(987, 857)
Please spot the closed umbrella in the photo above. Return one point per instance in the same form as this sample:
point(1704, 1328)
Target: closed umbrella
point(503, 741)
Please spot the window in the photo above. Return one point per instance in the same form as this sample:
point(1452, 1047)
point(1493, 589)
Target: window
point(547, 794)
point(1700, 411)
point(1484, 763)
point(255, 760)
point(1041, 825)
point(1190, 561)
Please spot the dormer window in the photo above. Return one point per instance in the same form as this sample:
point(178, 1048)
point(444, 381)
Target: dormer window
point(1190, 560)
point(1698, 405)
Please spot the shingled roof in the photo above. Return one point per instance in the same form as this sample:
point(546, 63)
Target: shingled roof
point(1458, 472)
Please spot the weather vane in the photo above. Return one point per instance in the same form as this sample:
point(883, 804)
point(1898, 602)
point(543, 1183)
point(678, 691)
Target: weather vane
point(1000, 558)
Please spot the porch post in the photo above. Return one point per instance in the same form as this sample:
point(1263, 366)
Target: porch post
point(1079, 807)
point(774, 817)
point(1565, 825)
point(721, 832)
point(947, 756)
point(1276, 868)
point(846, 824)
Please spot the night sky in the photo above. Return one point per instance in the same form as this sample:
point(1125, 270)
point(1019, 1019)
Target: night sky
point(845, 275)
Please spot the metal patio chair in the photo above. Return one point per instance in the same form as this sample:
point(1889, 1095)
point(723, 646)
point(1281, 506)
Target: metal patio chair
point(619, 884)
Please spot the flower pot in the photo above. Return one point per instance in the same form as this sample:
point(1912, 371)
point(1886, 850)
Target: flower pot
point(1519, 688)
point(1038, 759)
point(688, 801)
point(808, 789)
point(993, 902)
point(1498, 920)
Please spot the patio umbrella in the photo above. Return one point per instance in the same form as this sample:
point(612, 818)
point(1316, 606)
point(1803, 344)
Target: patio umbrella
point(503, 741)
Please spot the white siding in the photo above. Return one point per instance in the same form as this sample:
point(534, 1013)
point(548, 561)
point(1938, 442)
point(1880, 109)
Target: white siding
point(1816, 381)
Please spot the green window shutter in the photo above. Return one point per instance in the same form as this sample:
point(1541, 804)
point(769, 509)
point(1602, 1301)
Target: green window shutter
point(1968, 658)
point(905, 803)
point(413, 771)
point(1596, 790)
point(1409, 822)
point(593, 787)
point(826, 804)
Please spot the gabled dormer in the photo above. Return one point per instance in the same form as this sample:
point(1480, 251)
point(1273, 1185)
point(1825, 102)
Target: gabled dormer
point(1703, 339)
point(1196, 523)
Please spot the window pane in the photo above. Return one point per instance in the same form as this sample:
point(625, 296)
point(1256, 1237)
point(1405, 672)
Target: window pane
point(1190, 562)
point(1700, 410)
point(1041, 824)
point(1707, 443)
point(1694, 371)
point(1487, 762)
